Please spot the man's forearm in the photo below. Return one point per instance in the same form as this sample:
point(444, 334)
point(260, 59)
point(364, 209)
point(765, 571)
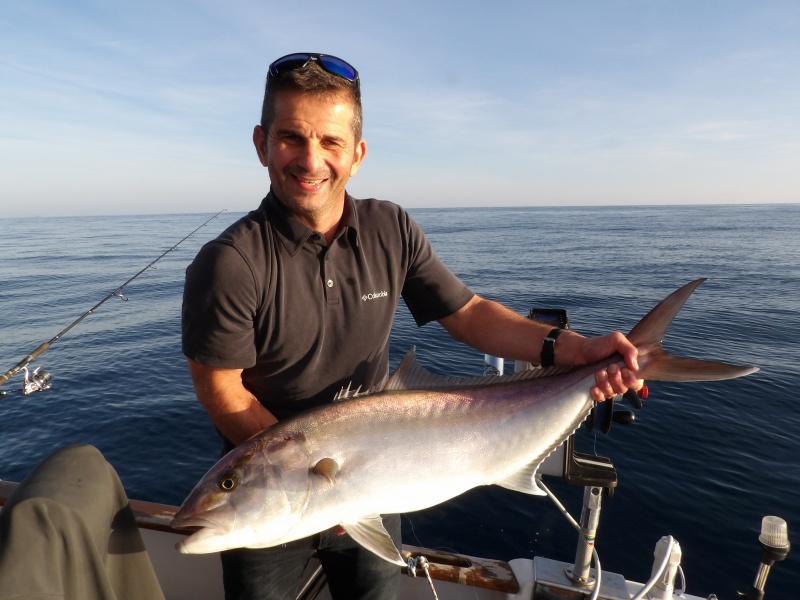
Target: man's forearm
point(234, 410)
point(494, 329)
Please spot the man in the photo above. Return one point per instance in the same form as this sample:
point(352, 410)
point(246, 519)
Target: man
point(296, 300)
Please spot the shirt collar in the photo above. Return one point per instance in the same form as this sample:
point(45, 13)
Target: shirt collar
point(349, 220)
point(294, 234)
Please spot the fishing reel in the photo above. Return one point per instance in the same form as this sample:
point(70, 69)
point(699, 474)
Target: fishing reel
point(603, 413)
point(36, 381)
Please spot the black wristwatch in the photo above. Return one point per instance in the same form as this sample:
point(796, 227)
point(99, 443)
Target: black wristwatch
point(549, 347)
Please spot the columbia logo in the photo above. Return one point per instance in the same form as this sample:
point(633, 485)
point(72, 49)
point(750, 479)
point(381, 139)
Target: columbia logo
point(374, 295)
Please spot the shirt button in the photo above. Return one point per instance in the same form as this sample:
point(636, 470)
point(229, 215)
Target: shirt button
point(330, 282)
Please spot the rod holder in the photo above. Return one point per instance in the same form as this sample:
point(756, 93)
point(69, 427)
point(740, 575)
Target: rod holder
point(590, 519)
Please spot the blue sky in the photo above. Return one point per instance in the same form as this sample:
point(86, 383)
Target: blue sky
point(113, 107)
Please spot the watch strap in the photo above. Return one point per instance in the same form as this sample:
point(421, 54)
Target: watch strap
point(549, 347)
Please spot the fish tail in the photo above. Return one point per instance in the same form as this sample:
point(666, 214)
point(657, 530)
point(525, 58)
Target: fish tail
point(656, 364)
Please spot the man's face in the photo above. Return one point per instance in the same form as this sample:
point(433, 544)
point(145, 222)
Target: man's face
point(311, 152)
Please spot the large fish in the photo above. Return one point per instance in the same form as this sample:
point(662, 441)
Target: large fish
point(422, 440)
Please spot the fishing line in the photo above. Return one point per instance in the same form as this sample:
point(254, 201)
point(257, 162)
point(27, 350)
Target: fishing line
point(38, 380)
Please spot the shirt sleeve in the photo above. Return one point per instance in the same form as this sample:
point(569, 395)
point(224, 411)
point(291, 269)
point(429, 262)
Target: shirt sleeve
point(431, 291)
point(219, 305)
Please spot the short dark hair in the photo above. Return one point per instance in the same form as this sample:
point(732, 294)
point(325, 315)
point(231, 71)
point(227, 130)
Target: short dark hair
point(312, 79)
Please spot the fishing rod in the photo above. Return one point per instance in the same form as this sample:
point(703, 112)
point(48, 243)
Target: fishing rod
point(38, 380)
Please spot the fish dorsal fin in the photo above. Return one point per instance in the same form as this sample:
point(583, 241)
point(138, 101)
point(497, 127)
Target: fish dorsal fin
point(410, 375)
point(348, 392)
point(327, 467)
point(370, 533)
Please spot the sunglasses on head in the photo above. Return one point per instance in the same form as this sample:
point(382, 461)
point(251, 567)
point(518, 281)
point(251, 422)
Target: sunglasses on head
point(331, 64)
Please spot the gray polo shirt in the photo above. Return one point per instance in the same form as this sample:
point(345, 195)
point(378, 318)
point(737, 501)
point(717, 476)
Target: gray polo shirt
point(303, 318)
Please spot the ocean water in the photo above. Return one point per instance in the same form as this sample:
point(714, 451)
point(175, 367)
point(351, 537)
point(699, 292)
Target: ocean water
point(703, 462)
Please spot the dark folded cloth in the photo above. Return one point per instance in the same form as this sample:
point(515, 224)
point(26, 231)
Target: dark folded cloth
point(68, 532)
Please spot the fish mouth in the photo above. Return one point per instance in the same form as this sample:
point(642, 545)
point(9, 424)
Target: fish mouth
point(206, 532)
point(203, 541)
point(195, 522)
point(219, 519)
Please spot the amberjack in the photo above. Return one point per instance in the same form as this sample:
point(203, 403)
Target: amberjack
point(348, 462)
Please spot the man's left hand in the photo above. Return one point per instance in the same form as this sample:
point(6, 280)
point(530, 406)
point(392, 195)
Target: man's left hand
point(613, 380)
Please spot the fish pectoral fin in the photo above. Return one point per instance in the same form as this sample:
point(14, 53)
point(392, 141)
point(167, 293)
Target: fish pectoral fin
point(523, 480)
point(327, 467)
point(370, 533)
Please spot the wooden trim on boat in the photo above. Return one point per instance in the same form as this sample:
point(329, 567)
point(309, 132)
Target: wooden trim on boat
point(443, 566)
point(484, 573)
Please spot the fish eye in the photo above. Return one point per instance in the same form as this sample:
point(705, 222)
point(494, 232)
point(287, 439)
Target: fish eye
point(228, 481)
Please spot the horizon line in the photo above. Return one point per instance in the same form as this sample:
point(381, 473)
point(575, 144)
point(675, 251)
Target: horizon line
point(467, 207)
